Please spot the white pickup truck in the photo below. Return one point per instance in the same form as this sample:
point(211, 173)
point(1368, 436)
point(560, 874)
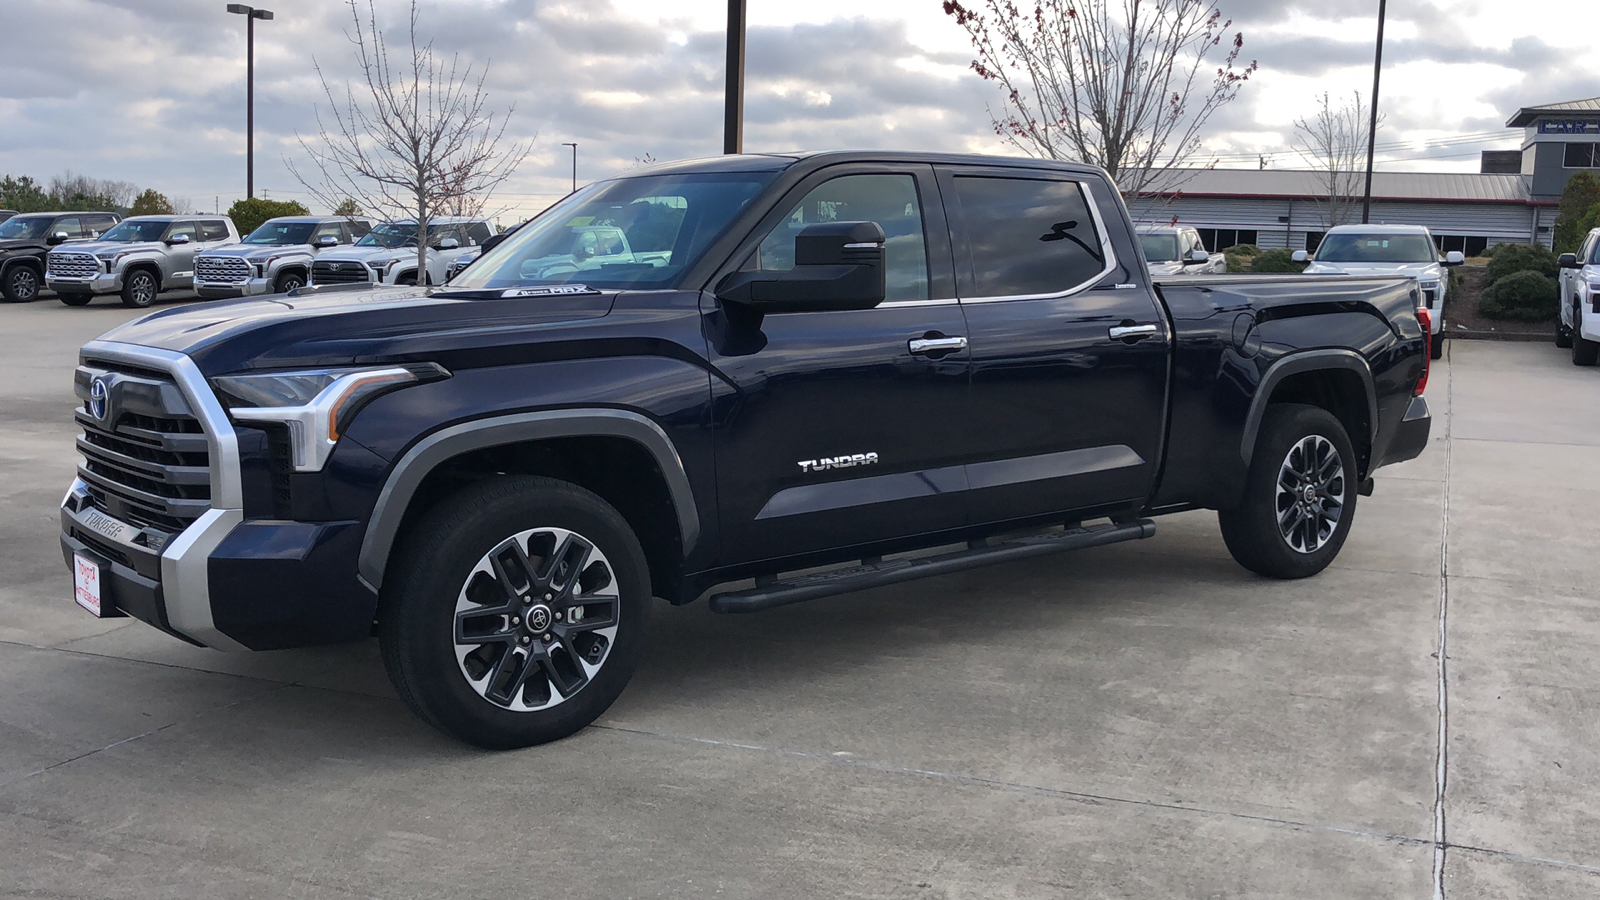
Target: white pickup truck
point(1176, 250)
point(388, 253)
point(1579, 327)
point(1389, 250)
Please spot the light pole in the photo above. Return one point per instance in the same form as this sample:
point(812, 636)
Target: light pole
point(733, 99)
point(251, 14)
point(574, 147)
point(1372, 125)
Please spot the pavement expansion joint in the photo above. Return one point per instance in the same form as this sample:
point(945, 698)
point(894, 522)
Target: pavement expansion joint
point(1441, 770)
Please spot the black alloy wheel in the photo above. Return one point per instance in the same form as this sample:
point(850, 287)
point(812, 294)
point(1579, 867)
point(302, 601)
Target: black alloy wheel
point(21, 284)
point(139, 289)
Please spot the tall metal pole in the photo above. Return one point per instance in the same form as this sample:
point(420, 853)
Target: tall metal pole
point(250, 108)
point(733, 114)
point(1372, 125)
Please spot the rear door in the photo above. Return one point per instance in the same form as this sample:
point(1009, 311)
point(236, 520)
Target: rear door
point(843, 428)
point(1069, 349)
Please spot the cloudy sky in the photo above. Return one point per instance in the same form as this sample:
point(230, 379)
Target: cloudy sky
point(152, 91)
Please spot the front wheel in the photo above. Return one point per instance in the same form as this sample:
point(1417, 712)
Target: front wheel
point(288, 281)
point(516, 612)
point(74, 299)
point(1299, 497)
point(139, 289)
point(1436, 346)
point(21, 284)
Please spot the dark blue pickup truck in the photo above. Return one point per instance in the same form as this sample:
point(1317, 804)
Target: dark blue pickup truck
point(716, 377)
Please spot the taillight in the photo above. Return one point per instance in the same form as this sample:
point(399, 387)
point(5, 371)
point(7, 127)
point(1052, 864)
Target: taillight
point(1425, 319)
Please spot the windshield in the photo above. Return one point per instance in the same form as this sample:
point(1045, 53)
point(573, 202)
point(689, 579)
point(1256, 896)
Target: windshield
point(282, 233)
point(24, 227)
point(1159, 247)
point(1377, 248)
point(129, 231)
point(629, 233)
point(396, 234)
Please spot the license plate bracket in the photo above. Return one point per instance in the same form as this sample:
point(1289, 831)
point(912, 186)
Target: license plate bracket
point(88, 586)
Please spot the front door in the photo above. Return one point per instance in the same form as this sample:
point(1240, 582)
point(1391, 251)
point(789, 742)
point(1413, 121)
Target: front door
point(1069, 348)
point(843, 428)
point(180, 257)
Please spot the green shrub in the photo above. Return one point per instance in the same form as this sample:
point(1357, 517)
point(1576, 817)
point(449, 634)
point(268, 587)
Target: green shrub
point(1488, 252)
point(1238, 265)
point(248, 214)
point(1525, 296)
point(1277, 260)
point(1250, 250)
point(1509, 258)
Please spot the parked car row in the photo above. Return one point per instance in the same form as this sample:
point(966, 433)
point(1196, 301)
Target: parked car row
point(26, 239)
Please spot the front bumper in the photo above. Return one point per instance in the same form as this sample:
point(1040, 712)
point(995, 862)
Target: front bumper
point(107, 283)
point(220, 290)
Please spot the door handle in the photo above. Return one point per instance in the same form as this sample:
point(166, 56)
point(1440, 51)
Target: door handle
point(923, 345)
point(1132, 333)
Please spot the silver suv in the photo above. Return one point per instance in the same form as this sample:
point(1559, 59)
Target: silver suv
point(275, 258)
point(139, 258)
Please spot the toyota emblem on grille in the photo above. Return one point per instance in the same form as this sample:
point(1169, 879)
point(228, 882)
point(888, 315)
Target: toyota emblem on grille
point(335, 266)
point(99, 393)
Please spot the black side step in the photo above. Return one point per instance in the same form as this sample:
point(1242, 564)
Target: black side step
point(895, 571)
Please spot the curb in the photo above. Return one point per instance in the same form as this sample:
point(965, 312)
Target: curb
point(1497, 336)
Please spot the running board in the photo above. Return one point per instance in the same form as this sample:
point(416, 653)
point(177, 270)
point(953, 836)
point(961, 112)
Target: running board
point(880, 573)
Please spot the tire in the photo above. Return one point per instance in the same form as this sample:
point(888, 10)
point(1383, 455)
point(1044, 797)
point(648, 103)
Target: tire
point(139, 289)
point(1294, 439)
point(20, 284)
point(287, 282)
point(75, 299)
point(1584, 351)
point(454, 572)
point(1563, 335)
point(1436, 346)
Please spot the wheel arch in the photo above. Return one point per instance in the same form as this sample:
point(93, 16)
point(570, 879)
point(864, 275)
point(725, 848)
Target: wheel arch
point(622, 456)
point(1339, 381)
point(36, 265)
point(146, 265)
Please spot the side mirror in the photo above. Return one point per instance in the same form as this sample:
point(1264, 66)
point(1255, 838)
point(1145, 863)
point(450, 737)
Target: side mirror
point(327, 240)
point(1568, 261)
point(1300, 256)
point(1454, 258)
point(448, 243)
point(1196, 257)
point(837, 266)
point(57, 238)
point(177, 239)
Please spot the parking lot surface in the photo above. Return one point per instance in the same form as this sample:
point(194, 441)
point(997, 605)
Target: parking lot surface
point(1143, 720)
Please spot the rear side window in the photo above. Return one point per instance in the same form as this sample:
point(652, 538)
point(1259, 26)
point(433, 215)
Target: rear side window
point(1025, 237)
point(358, 229)
point(478, 232)
point(98, 225)
point(213, 230)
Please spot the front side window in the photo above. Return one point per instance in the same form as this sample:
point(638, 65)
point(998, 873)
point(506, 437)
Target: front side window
point(1159, 248)
point(1376, 248)
point(183, 229)
point(277, 233)
point(889, 200)
point(129, 231)
point(71, 225)
point(641, 233)
point(1027, 237)
point(1594, 252)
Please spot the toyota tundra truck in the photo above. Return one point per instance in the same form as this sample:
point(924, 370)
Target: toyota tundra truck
point(845, 370)
point(139, 259)
point(388, 254)
point(1578, 327)
point(1389, 250)
point(275, 258)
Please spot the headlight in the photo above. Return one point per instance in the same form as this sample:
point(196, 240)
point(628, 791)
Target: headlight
point(1430, 285)
point(315, 406)
point(1594, 287)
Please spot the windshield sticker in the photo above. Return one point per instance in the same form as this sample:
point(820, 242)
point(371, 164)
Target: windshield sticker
point(548, 291)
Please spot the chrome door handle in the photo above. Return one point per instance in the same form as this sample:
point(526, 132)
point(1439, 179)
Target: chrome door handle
point(935, 345)
point(1133, 332)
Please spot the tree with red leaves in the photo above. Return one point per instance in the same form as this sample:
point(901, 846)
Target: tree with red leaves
point(1126, 88)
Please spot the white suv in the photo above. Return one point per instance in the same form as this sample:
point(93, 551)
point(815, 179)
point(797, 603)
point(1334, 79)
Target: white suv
point(1579, 327)
point(1389, 250)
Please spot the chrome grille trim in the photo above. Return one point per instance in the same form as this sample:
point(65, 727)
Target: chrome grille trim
point(323, 272)
point(225, 269)
point(73, 265)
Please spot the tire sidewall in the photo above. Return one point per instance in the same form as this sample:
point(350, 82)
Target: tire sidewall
point(131, 297)
point(287, 283)
point(10, 277)
point(418, 624)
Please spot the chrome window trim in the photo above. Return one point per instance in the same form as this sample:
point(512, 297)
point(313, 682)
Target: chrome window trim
point(906, 304)
point(1100, 227)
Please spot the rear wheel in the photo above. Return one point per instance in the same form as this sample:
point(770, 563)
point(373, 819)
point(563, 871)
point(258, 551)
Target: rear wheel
point(1584, 351)
point(516, 612)
point(21, 284)
point(139, 289)
point(1299, 498)
point(1436, 346)
point(74, 299)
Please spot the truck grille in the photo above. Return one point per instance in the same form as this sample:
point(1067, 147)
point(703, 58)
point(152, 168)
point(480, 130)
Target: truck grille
point(326, 272)
point(146, 458)
point(74, 265)
point(225, 269)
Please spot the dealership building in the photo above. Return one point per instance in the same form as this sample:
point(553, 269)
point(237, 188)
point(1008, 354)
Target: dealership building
point(1512, 199)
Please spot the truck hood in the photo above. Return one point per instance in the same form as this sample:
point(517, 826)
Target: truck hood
point(118, 246)
point(368, 254)
point(20, 244)
point(1164, 268)
point(257, 252)
point(341, 325)
point(1421, 271)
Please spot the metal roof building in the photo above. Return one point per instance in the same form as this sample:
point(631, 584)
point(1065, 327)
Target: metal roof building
point(1465, 211)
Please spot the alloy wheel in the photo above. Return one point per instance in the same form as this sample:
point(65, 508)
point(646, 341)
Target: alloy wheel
point(24, 284)
point(536, 619)
point(1311, 493)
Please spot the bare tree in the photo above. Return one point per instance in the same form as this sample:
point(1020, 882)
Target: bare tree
point(410, 135)
point(1126, 88)
point(1334, 144)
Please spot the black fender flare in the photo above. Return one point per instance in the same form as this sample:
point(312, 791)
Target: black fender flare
point(423, 457)
point(35, 264)
point(1295, 364)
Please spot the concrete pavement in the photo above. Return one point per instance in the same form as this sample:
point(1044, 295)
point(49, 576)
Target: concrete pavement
point(1143, 720)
